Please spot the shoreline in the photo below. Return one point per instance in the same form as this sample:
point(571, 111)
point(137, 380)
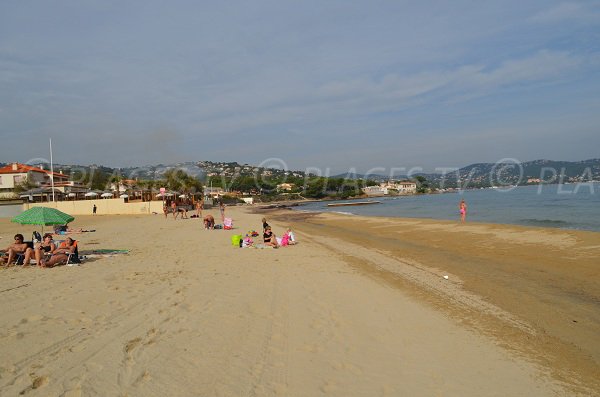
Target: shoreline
point(550, 225)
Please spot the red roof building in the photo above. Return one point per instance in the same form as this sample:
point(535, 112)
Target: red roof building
point(16, 174)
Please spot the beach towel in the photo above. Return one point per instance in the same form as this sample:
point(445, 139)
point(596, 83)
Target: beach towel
point(261, 246)
point(102, 252)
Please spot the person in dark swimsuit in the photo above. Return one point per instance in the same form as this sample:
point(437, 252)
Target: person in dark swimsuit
point(46, 246)
point(269, 237)
point(60, 254)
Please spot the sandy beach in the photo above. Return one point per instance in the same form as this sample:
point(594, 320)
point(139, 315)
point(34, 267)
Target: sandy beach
point(360, 307)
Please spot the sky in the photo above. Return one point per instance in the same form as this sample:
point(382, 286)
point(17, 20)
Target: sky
point(312, 85)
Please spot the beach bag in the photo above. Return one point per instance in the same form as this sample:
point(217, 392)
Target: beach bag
point(236, 240)
point(36, 237)
point(228, 224)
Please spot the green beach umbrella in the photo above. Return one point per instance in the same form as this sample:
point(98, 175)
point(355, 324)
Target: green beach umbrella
point(42, 216)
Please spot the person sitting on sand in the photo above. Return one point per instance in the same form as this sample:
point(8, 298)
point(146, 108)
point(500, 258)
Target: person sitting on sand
point(60, 254)
point(209, 222)
point(269, 237)
point(18, 247)
point(288, 238)
point(46, 246)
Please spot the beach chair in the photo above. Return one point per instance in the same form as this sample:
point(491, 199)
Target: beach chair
point(20, 257)
point(73, 258)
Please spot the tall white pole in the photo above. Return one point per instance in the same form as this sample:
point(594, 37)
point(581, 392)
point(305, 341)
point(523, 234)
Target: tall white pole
point(52, 172)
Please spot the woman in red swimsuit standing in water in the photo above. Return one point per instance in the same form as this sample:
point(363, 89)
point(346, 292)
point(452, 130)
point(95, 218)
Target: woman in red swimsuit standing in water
point(462, 207)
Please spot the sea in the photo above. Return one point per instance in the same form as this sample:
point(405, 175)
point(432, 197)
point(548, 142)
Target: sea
point(566, 206)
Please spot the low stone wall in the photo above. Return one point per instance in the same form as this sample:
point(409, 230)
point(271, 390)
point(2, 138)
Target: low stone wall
point(116, 206)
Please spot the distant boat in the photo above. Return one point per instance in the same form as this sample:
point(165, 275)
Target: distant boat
point(353, 203)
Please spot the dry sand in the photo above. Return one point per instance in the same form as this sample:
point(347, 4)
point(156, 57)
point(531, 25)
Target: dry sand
point(358, 308)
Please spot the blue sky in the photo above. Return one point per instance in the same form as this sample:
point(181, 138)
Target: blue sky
point(332, 85)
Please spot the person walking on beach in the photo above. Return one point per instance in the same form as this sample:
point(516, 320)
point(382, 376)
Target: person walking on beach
point(222, 209)
point(94, 208)
point(462, 208)
point(199, 208)
point(174, 209)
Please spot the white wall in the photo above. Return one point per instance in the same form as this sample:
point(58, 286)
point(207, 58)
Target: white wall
point(104, 207)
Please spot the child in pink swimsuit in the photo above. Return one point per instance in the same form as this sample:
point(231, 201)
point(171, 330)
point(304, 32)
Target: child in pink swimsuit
point(463, 210)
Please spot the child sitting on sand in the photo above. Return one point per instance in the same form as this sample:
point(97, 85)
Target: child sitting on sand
point(269, 237)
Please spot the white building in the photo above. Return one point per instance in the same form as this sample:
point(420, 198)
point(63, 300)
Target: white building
point(406, 187)
point(16, 174)
point(374, 191)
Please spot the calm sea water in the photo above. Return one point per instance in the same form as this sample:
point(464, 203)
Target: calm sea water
point(562, 206)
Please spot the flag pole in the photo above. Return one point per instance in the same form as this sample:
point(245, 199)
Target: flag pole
point(52, 172)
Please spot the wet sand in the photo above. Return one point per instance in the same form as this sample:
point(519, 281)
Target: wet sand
point(535, 290)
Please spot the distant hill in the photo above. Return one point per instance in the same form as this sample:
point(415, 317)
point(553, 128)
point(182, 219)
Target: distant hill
point(199, 169)
point(494, 174)
point(530, 172)
point(474, 175)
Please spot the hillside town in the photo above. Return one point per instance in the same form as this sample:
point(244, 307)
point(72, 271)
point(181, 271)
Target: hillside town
point(38, 183)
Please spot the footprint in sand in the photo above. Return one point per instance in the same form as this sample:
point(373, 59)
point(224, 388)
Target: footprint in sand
point(346, 366)
point(329, 387)
point(37, 383)
point(132, 344)
point(144, 377)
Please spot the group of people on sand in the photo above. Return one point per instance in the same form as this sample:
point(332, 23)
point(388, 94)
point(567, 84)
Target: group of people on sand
point(270, 239)
point(209, 220)
point(46, 253)
point(176, 210)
